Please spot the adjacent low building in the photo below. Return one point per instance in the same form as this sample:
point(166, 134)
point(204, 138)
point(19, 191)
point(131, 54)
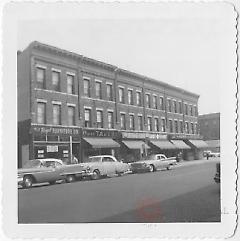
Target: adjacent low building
point(69, 104)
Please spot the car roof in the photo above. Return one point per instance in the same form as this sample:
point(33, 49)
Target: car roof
point(49, 159)
point(101, 156)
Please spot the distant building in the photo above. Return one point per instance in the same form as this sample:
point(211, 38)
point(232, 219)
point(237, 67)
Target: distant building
point(69, 104)
point(209, 125)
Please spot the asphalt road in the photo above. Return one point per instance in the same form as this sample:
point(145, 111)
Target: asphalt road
point(186, 193)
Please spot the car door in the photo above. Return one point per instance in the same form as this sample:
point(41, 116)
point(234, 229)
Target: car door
point(47, 172)
point(109, 165)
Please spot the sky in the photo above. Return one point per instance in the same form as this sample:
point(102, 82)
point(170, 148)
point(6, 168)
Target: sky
point(187, 50)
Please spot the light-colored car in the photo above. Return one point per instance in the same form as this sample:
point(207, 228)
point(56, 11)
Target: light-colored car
point(104, 165)
point(214, 154)
point(153, 163)
point(40, 171)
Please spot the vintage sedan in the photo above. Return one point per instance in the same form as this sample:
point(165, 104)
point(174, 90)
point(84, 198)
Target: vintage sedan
point(40, 171)
point(104, 165)
point(153, 163)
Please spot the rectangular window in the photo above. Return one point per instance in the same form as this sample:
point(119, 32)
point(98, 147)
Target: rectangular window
point(169, 102)
point(109, 92)
point(130, 97)
point(155, 102)
point(170, 126)
point(70, 84)
point(41, 113)
point(57, 114)
point(186, 109)
point(181, 126)
point(86, 87)
point(131, 122)
point(87, 118)
point(149, 123)
point(148, 101)
point(140, 123)
point(195, 110)
point(175, 106)
point(192, 128)
point(98, 87)
point(180, 107)
point(121, 95)
point(56, 81)
point(191, 110)
point(163, 126)
point(186, 127)
point(161, 103)
point(156, 124)
point(71, 115)
point(196, 129)
point(99, 119)
point(41, 78)
point(123, 122)
point(176, 126)
point(138, 98)
point(110, 120)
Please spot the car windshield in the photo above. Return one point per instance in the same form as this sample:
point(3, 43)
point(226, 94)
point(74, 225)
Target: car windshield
point(93, 159)
point(32, 163)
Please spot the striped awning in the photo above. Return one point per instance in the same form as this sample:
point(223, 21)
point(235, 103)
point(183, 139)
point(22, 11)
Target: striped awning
point(101, 142)
point(136, 144)
point(163, 144)
point(180, 144)
point(199, 143)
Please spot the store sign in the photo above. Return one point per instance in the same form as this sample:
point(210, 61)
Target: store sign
point(184, 136)
point(52, 148)
point(55, 130)
point(143, 135)
point(99, 133)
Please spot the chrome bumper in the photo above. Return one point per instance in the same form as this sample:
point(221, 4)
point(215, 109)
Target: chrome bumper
point(20, 180)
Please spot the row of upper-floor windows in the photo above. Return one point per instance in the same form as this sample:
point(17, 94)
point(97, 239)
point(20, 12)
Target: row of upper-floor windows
point(151, 101)
point(41, 114)
point(55, 80)
point(136, 122)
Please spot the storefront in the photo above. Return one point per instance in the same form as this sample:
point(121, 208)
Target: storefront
point(185, 145)
point(161, 145)
point(55, 142)
point(99, 142)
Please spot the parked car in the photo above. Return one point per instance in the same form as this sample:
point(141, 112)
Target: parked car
point(39, 171)
point(214, 154)
point(217, 174)
point(153, 163)
point(104, 165)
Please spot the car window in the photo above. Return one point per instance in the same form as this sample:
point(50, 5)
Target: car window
point(58, 164)
point(93, 159)
point(32, 163)
point(49, 164)
point(107, 159)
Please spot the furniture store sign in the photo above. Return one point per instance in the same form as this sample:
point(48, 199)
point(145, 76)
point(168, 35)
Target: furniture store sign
point(143, 135)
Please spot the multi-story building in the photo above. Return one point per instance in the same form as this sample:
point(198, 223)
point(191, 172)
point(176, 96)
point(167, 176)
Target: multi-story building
point(69, 104)
point(209, 125)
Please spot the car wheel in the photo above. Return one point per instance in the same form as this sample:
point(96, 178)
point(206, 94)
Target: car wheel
point(27, 181)
point(96, 175)
point(151, 168)
point(70, 178)
point(52, 182)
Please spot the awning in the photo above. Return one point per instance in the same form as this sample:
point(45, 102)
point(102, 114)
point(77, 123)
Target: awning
point(213, 143)
point(180, 144)
point(199, 143)
point(135, 144)
point(100, 142)
point(163, 144)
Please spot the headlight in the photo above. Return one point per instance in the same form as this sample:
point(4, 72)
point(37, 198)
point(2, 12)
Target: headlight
point(88, 168)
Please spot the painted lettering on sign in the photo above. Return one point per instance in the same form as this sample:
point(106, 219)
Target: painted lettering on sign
point(55, 130)
point(143, 135)
point(99, 133)
point(52, 148)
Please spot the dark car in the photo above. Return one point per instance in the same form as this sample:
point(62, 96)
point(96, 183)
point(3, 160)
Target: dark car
point(217, 174)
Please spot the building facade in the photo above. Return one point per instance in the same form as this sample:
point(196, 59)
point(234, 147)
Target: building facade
point(209, 125)
point(69, 104)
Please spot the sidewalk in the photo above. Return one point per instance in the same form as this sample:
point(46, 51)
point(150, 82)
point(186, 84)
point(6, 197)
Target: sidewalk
point(197, 162)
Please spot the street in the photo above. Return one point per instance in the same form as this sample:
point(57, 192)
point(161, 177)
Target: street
point(186, 193)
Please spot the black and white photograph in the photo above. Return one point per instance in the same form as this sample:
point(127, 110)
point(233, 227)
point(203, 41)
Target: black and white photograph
point(125, 113)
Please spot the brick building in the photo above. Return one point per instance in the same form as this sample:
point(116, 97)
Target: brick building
point(69, 104)
point(209, 125)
